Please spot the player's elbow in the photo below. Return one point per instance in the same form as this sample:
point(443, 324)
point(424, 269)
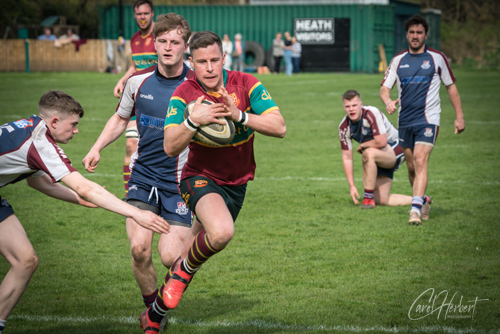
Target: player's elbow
point(85, 190)
point(281, 131)
point(170, 150)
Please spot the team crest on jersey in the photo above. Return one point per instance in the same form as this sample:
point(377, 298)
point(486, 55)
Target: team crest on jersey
point(148, 41)
point(428, 132)
point(235, 99)
point(200, 183)
point(181, 208)
point(426, 65)
point(24, 123)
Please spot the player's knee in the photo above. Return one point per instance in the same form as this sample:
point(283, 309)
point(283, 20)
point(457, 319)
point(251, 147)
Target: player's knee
point(28, 264)
point(140, 253)
point(168, 258)
point(369, 154)
point(420, 163)
point(221, 238)
point(130, 146)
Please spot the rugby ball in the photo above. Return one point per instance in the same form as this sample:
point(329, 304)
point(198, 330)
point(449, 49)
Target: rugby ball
point(212, 134)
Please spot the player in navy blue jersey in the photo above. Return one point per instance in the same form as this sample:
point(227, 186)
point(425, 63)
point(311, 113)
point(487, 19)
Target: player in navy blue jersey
point(29, 150)
point(379, 146)
point(418, 72)
point(155, 177)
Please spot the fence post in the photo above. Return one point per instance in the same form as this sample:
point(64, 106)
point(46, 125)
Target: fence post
point(27, 49)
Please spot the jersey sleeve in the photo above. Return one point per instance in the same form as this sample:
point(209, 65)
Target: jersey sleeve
point(391, 74)
point(261, 101)
point(444, 70)
point(126, 106)
point(175, 113)
point(376, 121)
point(47, 156)
point(344, 135)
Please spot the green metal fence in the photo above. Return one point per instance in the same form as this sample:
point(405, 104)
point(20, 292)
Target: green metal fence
point(370, 25)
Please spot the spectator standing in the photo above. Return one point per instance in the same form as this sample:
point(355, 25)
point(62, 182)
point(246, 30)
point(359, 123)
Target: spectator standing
point(238, 53)
point(296, 52)
point(278, 52)
point(227, 48)
point(288, 53)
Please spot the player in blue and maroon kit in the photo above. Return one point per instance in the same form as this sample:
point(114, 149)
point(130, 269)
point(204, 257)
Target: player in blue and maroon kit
point(143, 54)
point(379, 146)
point(155, 177)
point(29, 151)
point(214, 179)
point(418, 72)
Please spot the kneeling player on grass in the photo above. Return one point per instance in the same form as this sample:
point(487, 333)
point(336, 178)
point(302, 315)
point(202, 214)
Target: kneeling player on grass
point(214, 179)
point(28, 150)
point(379, 146)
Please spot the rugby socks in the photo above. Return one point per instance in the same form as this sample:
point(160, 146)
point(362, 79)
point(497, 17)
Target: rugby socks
point(158, 310)
point(369, 194)
point(200, 252)
point(2, 325)
point(416, 204)
point(126, 177)
point(150, 299)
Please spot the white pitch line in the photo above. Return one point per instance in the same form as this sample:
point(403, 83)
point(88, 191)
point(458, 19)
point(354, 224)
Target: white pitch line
point(261, 325)
point(329, 179)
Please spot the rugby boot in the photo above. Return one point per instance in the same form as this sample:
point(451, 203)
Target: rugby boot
point(368, 203)
point(414, 218)
point(150, 327)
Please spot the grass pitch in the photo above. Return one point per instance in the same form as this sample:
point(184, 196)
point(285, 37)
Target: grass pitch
point(304, 259)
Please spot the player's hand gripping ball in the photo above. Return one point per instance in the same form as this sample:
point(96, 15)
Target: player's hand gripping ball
point(212, 134)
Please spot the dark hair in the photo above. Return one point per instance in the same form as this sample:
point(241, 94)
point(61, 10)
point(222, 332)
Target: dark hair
point(172, 21)
point(350, 94)
point(57, 101)
point(203, 39)
point(138, 3)
point(414, 20)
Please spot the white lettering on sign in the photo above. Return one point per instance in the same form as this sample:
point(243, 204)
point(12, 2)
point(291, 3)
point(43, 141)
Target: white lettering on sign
point(314, 31)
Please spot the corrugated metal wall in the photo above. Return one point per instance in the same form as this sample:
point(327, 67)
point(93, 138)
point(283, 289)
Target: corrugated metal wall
point(371, 25)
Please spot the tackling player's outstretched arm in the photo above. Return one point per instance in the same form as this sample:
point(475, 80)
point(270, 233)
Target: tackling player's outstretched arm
point(92, 192)
point(114, 128)
point(45, 185)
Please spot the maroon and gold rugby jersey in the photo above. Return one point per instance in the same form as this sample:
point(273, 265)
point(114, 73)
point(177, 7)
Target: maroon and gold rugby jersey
point(232, 164)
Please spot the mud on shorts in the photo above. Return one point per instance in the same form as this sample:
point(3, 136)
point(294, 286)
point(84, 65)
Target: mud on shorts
point(167, 204)
point(5, 209)
point(194, 188)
